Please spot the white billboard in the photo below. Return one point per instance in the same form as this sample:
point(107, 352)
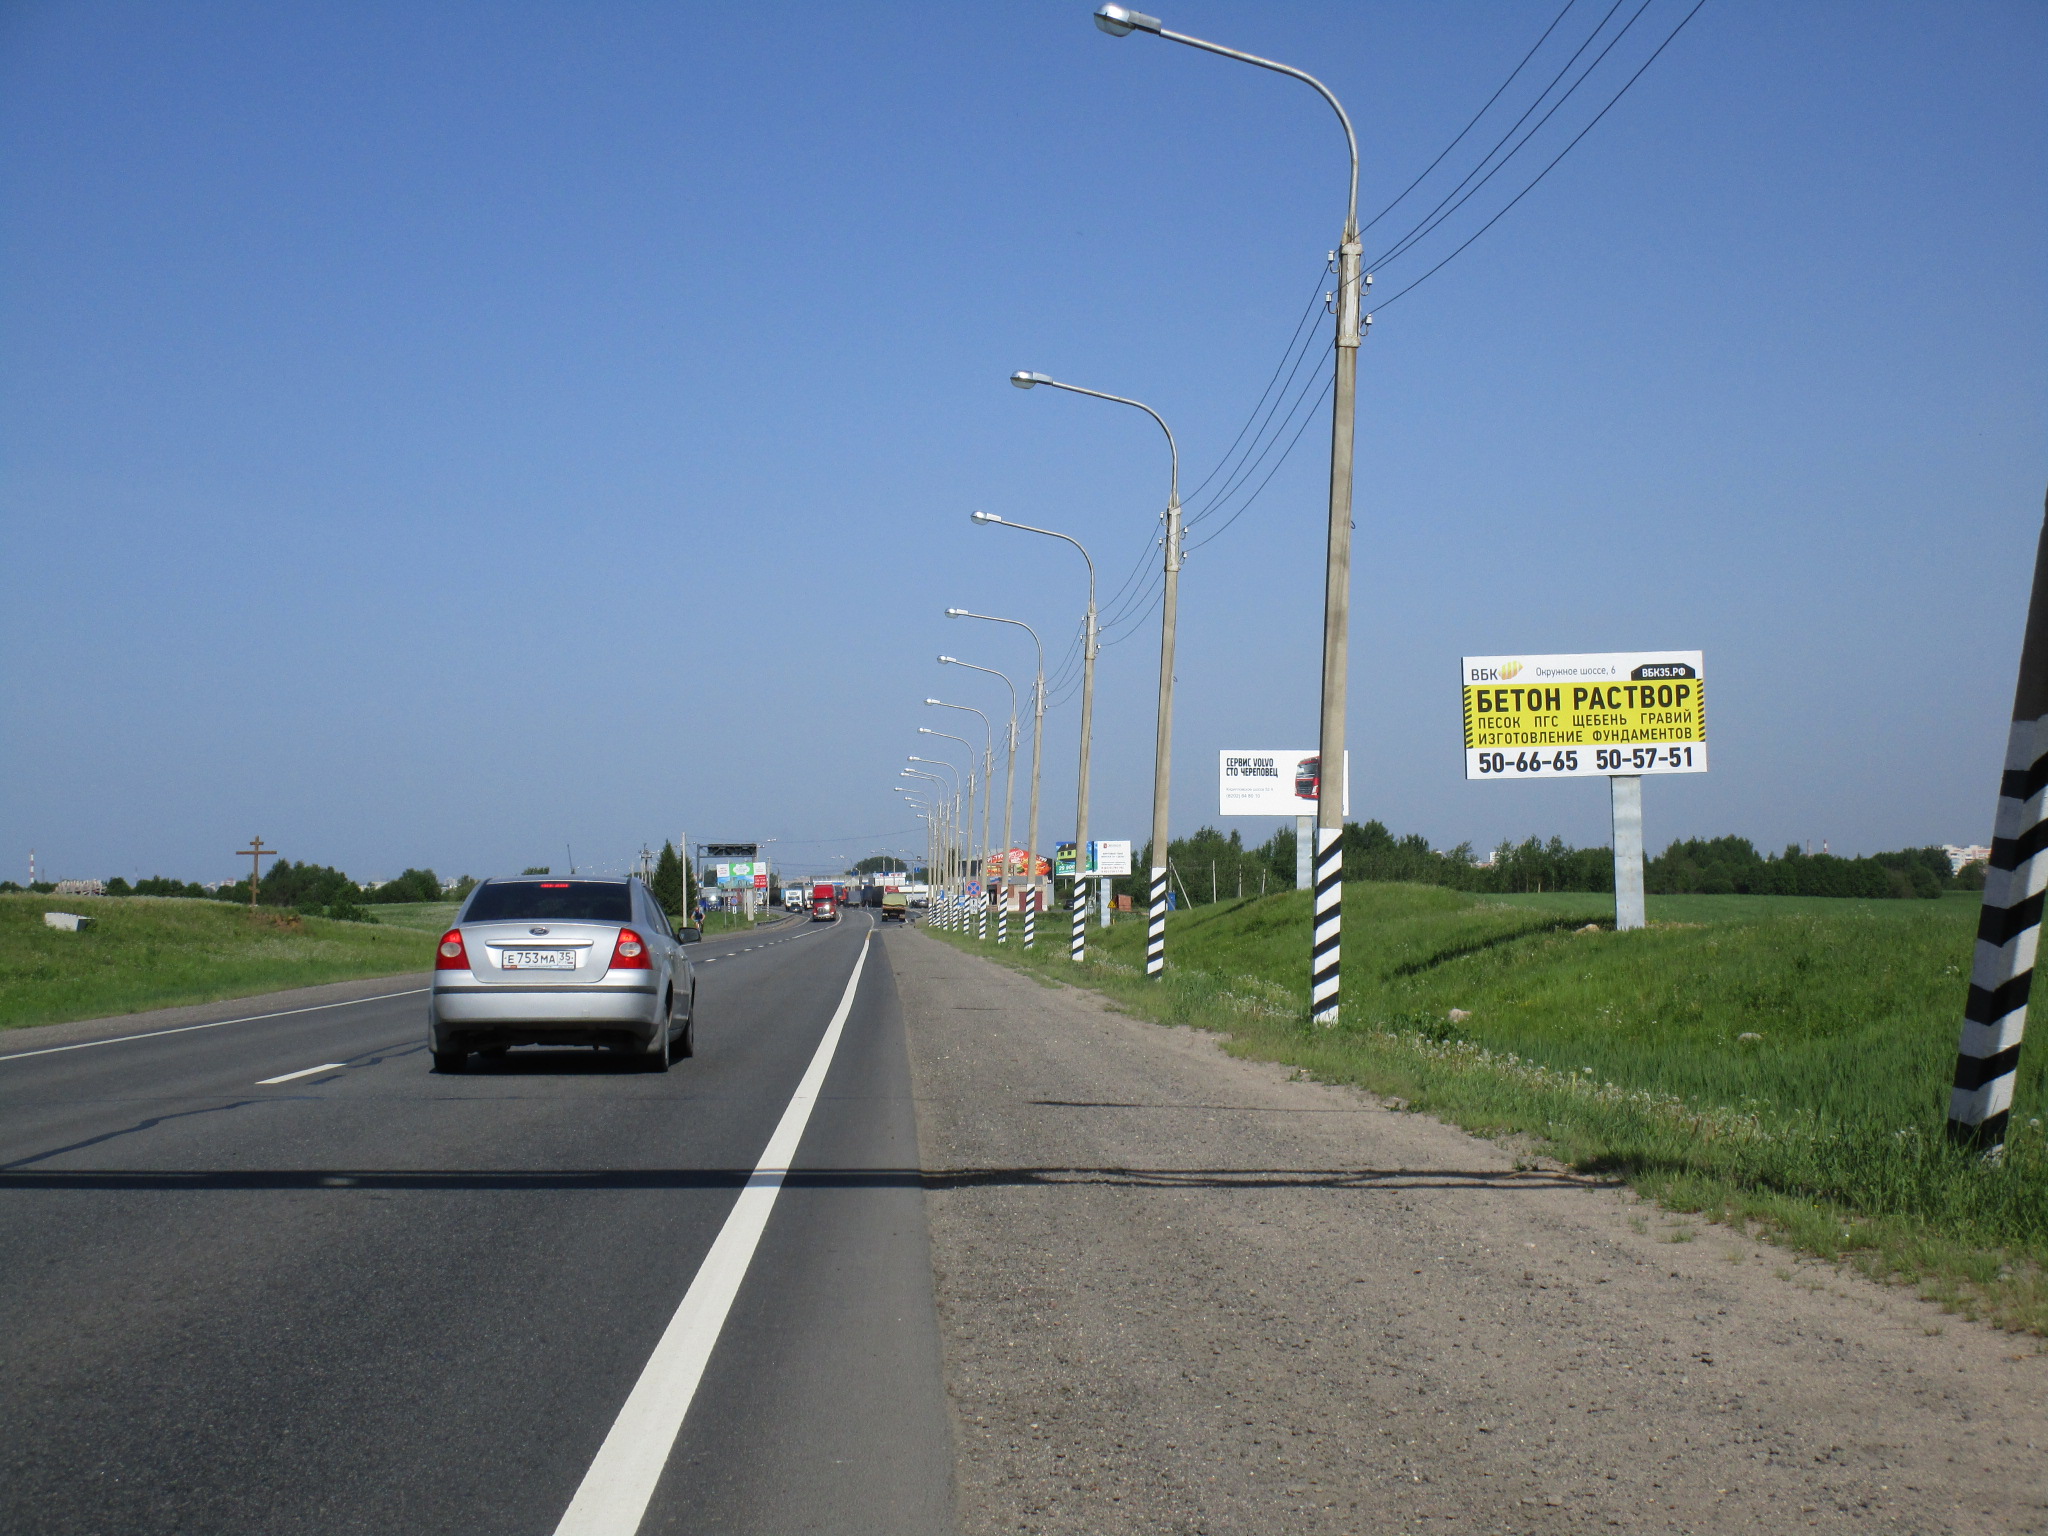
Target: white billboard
point(1111, 857)
point(1274, 783)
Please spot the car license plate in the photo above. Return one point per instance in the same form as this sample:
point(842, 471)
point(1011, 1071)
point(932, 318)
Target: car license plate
point(539, 960)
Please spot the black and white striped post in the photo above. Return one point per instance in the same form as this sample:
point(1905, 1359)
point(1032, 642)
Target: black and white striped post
point(1077, 949)
point(1323, 972)
point(1155, 934)
point(2009, 923)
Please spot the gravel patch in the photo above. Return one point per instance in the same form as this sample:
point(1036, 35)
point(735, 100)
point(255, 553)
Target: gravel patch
point(1184, 1293)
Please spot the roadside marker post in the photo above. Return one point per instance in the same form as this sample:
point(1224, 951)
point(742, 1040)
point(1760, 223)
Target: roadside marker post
point(2009, 922)
point(1262, 781)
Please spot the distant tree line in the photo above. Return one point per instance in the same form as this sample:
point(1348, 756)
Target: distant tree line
point(1210, 866)
point(314, 889)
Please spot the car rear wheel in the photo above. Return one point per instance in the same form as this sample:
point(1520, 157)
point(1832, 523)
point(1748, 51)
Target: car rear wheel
point(450, 1060)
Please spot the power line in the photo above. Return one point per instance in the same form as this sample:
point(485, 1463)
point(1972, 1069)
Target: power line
point(1439, 160)
point(1321, 396)
point(1248, 465)
point(1432, 272)
point(1315, 295)
point(1439, 213)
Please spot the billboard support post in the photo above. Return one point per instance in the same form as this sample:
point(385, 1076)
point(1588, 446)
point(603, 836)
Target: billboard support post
point(2009, 922)
point(1628, 851)
point(1304, 856)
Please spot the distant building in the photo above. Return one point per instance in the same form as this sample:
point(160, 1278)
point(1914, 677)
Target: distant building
point(81, 888)
point(1959, 857)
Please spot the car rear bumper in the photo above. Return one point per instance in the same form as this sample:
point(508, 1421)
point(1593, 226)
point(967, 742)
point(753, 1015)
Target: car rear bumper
point(480, 1015)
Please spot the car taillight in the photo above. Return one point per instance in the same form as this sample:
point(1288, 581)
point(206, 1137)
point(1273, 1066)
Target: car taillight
point(452, 956)
point(629, 953)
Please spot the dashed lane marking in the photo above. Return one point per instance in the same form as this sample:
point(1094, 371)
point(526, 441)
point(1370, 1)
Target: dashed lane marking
point(325, 1066)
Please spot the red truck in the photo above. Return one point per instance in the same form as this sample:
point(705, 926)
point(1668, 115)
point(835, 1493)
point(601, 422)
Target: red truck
point(824, 903)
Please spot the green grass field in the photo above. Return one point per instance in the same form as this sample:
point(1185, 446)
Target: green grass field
point(1781, 1061)
point(435, 917)
point(163, 952)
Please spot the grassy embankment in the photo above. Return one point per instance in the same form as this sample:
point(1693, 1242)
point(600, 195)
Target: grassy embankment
point(1776, 1062)
point(163, 952)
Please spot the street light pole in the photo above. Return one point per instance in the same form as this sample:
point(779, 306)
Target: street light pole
point(950, 816)
point(988, 785)
point(1037, 743)
point(925, 730)
point(1325, 947)
point(1009, 795)
point(1077, 949)
point(1169, 623)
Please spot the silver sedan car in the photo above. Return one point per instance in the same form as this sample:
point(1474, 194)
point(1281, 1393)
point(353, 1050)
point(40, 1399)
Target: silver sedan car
point(582, 961)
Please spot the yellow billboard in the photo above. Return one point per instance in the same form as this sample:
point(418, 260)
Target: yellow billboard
point(1625, 712)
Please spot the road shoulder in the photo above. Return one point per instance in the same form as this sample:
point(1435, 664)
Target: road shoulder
point(1183, 1292)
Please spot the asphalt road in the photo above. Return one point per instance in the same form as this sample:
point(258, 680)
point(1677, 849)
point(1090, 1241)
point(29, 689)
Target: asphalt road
point(373, 1299)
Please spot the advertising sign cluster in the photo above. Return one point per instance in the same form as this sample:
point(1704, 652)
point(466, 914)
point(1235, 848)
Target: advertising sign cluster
point(743, 876)
point(1266, 782)
point(1554, 717)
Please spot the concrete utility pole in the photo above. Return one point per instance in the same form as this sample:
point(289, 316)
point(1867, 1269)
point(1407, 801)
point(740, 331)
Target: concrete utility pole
point(988, 795)
point(2009, 922)
point(1169, 622)
point(255, 853)
point(950, 817)
point(925, 730)
point(1325, 946)
point(1077, 950)
point(1037, 743)
point(1009, 794)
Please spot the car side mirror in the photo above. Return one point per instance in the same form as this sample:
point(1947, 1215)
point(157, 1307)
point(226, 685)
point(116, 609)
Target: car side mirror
point(689, 935)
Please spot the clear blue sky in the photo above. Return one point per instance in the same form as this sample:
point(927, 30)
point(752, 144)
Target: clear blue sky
point(434, 434)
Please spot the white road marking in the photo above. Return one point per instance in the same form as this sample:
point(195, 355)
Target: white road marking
point(325, 1066)
point(186, 1029)
point(612, 1499)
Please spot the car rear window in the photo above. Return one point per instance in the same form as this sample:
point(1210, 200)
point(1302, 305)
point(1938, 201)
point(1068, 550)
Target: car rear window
point(562, 901)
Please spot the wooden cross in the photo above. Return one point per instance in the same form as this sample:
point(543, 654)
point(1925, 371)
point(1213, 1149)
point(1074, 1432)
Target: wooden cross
point(256, 853)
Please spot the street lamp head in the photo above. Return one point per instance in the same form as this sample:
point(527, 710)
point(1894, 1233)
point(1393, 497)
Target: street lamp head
point(925, 730)
point(948, 661)
point(931, 701)
point(1122, 21)
point(956, 613)
point(1023, 379)
point(985, 517)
